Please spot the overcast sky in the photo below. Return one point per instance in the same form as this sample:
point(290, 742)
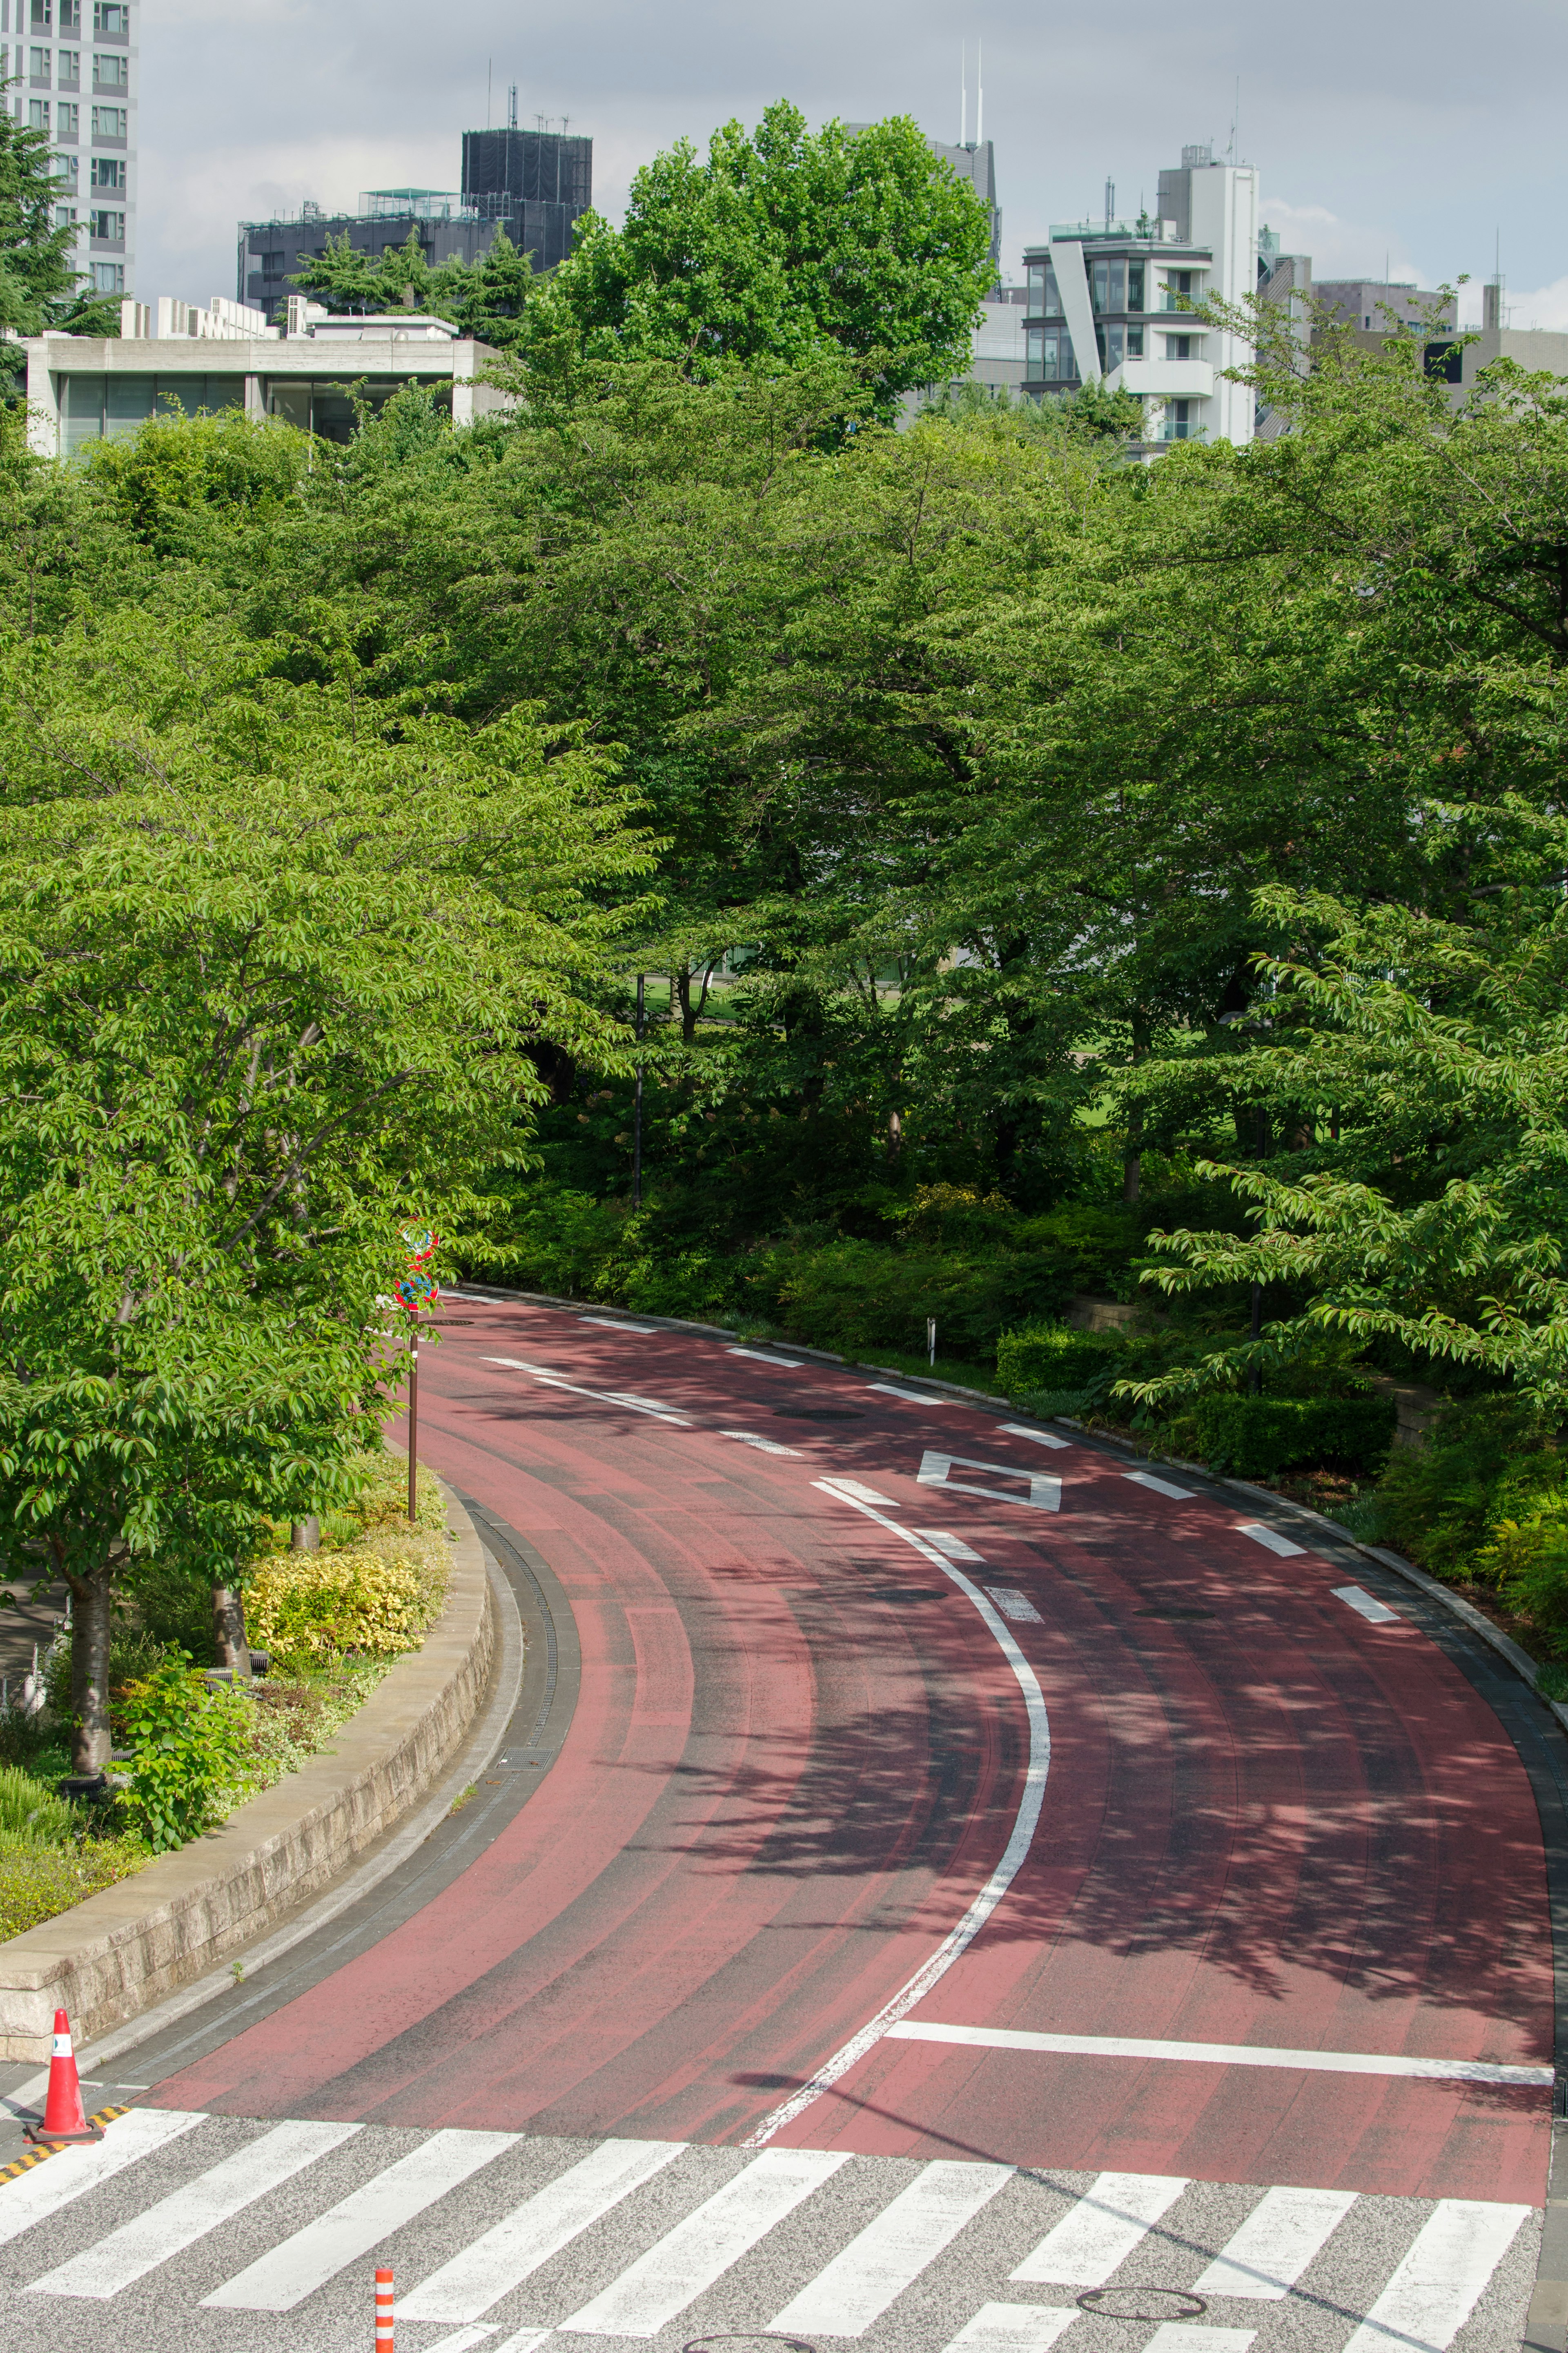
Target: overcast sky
point(1386, 134)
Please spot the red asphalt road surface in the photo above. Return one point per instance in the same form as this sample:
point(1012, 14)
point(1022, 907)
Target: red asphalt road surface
point(797, 1754)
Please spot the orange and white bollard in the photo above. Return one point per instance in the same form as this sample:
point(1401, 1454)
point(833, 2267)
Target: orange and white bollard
point(384, 2312)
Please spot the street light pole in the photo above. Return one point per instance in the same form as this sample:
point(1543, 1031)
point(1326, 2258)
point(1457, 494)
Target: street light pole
point(636, 1112)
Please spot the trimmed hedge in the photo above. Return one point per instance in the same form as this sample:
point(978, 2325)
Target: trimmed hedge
point(1054, 1357)
point(1256, 1437)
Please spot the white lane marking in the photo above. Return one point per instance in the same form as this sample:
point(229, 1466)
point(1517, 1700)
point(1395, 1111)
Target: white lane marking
point(1224, 2054)
point(687, 2260)
point(1100, 2231)
point(467, 2339)
point(481, 1299)
point(1015, 2328)
point(766, 1445)
point(609, 1323)
point(1031, 1798)
point(1014, 1605)
point(853, 1492)
point(1040, 1437)
point(294, 2269)
point(953, 1546)
point(1183, 2337)
point(45, 2189)
point(857, 2288)
point(1270, 1538)
point(1366, 1604)
point(1160, 1486)
point(758, 1356)
point(189, 2212)
point(602, 1397)
point(465, 2288)
point(523, 2342)
point(911, 1397)
point(1273, 2247)
point(1435, 2289)
point(1045, 1491)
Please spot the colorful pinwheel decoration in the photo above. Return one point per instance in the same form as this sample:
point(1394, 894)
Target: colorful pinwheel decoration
point(417, 1290)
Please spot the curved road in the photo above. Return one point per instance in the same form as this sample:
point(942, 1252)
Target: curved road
point(925, 1770)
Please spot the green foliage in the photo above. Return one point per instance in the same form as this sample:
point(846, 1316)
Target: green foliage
point(37, 1883)
point(135, 1651)
point(1051, 1362)
point(486, 299)
point(1486, 1460)
point(30, 1814)
point(1259, 1437)
point(188, 1742)
point(37, 284)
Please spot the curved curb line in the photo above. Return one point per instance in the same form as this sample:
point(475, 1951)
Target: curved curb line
point(122, 1950)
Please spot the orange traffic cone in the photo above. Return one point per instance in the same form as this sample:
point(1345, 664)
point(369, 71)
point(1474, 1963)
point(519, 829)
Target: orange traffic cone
point(384, 2312)
point(63, 2115)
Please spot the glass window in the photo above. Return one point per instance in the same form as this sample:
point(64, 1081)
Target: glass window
point(1134, 343)
point(66, 169)
point(109, 277)
point(106, 224)
point(110, 73)
point(1135, 285)
point(108, 122)
point(65, 215)
point(1115, 346)
point(272, 265)
point(1036, 276)
point(111, 16)
point(70, 16)
point(68, 119)
point(109, 171)
point(81, 410)
point(39, 63)
point(1178, 347)
point(1097, 287)
point(1052, 305)
point(71, 67)
point(42, 20)
point(187, 395)
point(37, 114)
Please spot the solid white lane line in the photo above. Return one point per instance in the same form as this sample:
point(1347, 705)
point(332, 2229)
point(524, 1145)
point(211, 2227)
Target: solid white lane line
point(1040, 1437)
point(466, 2339)
point(766, 1445)
point(602, 1397)
point(853, 1492)
point(1014, 1605)
point(189, 2212)
point(1436, 2286)
point(1270, 1538)
point(785, 1364)
point(290, 2271)
point(1098, 2234)
point(465, 2288)
point(1223, 2054)
point(1160, 1486)
point(909, 1396)
point(1186, 2336)
point(1031, 1798)
point(691, 2258)
point(890, 2253)
point(953, 1546)
point(1015, 2327)
point(1366, 1604)
point(1268, 2254)
point(69, 2174)
point(1045, 1491)
point(609, 1323)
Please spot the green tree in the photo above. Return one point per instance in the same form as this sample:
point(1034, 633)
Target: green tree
point(39, 286)
point(487, 300)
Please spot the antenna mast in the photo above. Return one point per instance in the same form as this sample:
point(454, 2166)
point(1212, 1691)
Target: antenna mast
point(511, 106)
point(489, 72)
point(980, 93)
point(963, 93)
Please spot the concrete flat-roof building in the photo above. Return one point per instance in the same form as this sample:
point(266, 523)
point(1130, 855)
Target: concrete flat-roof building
point(79, 68)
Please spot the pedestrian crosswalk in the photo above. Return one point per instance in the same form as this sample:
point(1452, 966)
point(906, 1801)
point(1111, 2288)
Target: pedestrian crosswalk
point(249, 2237)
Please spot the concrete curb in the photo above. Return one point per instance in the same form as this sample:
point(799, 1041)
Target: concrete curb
point(133, 1945)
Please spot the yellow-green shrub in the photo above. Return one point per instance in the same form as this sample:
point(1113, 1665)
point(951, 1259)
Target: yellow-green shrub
point(309, 1607)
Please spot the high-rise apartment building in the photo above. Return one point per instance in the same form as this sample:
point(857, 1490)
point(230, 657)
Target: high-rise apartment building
point(75, 62)
point(1112, 302)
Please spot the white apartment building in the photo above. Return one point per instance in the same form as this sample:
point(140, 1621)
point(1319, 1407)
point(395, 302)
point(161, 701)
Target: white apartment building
point(76, 64)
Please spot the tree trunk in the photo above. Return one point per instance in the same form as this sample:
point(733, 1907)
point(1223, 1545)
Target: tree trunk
point(306, 1535)
point(90, 1739)
point(228, 1630)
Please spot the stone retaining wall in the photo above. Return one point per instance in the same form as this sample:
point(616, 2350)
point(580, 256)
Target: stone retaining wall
point(127, 1947)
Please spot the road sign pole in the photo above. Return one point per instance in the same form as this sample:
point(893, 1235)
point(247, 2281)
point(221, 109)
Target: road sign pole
point(412, 1421)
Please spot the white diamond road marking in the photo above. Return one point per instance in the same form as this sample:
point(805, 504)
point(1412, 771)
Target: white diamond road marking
point(1040, 1437)
point(286, 2275)
point(602, 1396)
point(1014, 1605)
point(856, 1493)
point(1160, 1486)
point(536, 2232)
point(891, 2252)
point(785, 1364)
point(700, 2250)
point(36, 2195)
point(764, 1445)
point(1221, 2054)
point(1366, 1604)
point(1011, 2329)
point(1434, 2291)
point(1268, 2254)
point(1269, 1539)
point(953, 1546)
point(1100, 2231)
point(1045, 1493)
point(189, 2212)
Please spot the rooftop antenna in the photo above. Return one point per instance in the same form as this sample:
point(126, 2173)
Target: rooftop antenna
point(566, 124)
point(511, 106)
point(1235, 117)
point(489, 67)
point(1109, 201)
point(980, 93)
point(963, 93)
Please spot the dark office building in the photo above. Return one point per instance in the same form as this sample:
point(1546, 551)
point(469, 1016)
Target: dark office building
point(536, 183)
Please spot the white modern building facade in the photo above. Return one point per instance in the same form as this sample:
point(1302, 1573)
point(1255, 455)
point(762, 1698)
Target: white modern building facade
point(1112, 302)
point(76, 67)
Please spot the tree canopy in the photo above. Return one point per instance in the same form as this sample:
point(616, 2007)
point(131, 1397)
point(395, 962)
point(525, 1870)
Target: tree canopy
point(39, 289)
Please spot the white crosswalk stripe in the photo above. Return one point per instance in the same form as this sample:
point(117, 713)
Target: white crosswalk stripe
point(554, 2241)
point(277, 2281)
point(532, 2233)
point(189, 2212)
point(1099, 2232)
point(859, 2284)
point(700, 2250)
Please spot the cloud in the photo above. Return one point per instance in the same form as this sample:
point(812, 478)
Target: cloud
point(1340, 248)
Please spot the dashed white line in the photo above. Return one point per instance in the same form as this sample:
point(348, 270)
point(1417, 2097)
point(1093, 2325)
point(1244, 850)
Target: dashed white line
point(609, 1323)
point(766, 1445)
point(953, 1546)
point(1040, 1437)
point(1269, 1539)
point(1160, 1486)
point(855, 1492)
point(601, 1397)
point(1366, 1604)
point(909, 1396)
point(1014, 1605)
point(785, 1364)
